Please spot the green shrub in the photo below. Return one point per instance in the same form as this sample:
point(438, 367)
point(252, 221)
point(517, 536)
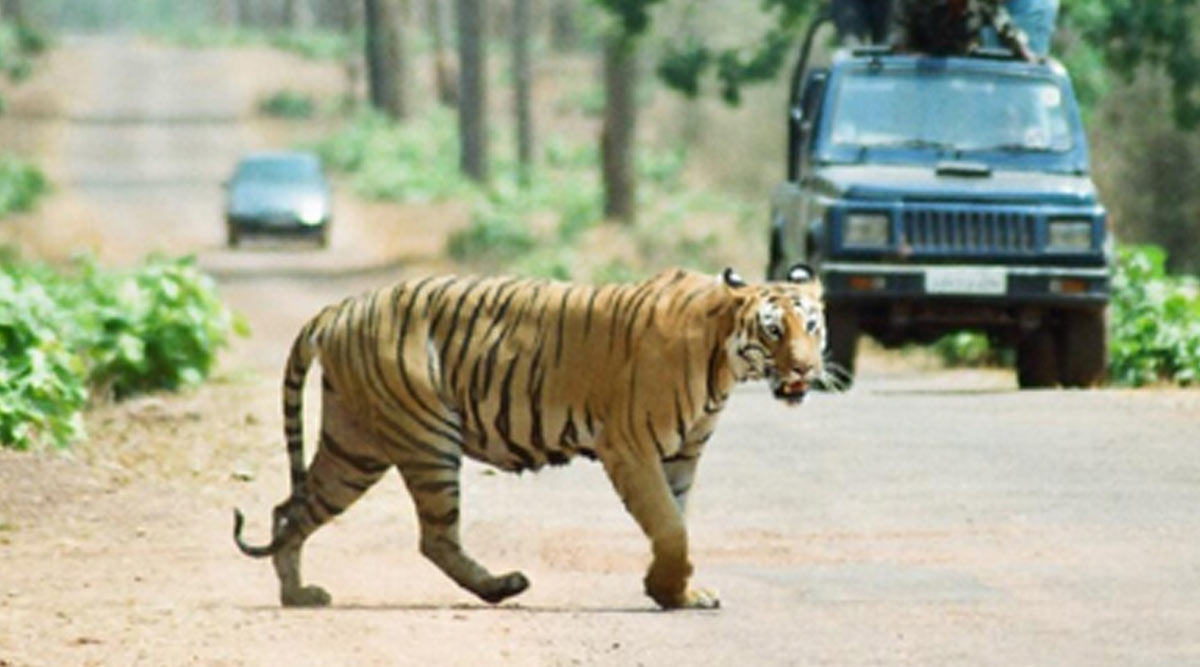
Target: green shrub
point(14, 52)
point(412, 162)
point(158, 327)
point(41, 376)
point(288, 104)
point(1155, 326)
point(21, 185)
point(95, 331)
point(498, 233)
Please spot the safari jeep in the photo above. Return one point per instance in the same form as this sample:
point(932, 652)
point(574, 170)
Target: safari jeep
point(941, 194)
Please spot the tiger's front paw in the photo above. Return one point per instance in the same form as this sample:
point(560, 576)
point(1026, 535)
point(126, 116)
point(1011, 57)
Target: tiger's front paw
point(692, 598)
point(671, 593)
point(702, 598)
point(505, 586)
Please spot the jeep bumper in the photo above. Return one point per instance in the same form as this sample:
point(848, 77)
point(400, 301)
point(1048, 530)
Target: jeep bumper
point(1001, 285)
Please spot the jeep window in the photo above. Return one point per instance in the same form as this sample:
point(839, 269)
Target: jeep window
point(950, 111)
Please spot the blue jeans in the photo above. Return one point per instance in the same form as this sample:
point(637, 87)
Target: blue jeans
point(1035, 18)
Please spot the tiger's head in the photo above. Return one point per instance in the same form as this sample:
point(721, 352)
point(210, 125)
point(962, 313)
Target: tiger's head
point(779, 332)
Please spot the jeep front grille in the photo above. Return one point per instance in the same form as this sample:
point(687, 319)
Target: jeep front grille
point(968, 232)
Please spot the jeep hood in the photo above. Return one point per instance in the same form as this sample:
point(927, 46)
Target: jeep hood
point(923, 183)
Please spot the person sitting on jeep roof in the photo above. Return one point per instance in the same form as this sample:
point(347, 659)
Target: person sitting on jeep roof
point(949, 27)
point(1036, 18)
point(862, 21)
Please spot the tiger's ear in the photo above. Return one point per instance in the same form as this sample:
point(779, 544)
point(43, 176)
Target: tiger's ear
point(801, 273)
point(731, 278)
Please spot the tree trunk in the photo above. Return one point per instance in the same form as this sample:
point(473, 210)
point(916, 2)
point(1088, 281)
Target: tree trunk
point(298, 14)
point(522, 88)
point(444, 75)
point(225, 13)
point(472, 89)
point(244, 14)
point(13, 11)
point(564, 29)
point(620, 125)
point(351, 16)
point(386, 67)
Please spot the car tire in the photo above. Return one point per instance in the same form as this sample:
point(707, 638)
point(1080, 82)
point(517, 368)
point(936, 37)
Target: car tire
point(842, 332)
point(1037, 360)
point(1083, 347)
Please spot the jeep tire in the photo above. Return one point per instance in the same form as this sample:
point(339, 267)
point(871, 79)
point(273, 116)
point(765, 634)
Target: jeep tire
point(1083, 347)
point(841, 328)
point(1037, 359)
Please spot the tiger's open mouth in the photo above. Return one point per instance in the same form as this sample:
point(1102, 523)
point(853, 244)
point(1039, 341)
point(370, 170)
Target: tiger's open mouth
point(792, 392)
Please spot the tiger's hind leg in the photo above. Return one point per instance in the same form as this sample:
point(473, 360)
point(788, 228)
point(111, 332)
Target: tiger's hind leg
point(434, 486)
point(340, 473)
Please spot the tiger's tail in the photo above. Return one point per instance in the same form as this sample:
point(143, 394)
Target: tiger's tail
point(304, 350)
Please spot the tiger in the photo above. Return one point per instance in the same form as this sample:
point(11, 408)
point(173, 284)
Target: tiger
point(519, 373)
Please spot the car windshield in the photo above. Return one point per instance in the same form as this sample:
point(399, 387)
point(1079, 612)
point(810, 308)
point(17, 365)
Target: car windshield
point(950, 111)
point(282, 169)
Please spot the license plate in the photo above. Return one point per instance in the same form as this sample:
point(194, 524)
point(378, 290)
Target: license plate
point(966, 280)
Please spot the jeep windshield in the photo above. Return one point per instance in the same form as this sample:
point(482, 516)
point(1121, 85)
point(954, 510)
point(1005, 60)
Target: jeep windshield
point(941, 112)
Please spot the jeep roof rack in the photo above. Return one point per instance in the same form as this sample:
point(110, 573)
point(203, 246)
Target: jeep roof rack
point(865, 50)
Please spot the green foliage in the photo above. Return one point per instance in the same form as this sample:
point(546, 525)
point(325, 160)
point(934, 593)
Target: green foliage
point(64, 335)
point(1155, 329)
point(969, 349)
point(681, 66)
point(21, 185)
point(412, 162)
point(15, 61)
point(288, 104)
point(632, 15)
point(41, 376)
point(499, 232)
point(1131, 33)
point(158, 327)
point(19, 45)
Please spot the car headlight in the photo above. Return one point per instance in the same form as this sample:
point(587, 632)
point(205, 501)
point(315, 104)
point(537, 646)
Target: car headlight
point(1069, 235)
point(311, 212)
point(865, 230)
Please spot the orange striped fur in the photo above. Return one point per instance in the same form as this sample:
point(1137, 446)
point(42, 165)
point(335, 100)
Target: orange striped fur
point(522, 373)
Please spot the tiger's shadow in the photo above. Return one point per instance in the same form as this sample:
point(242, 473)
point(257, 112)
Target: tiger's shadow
point(461, 608)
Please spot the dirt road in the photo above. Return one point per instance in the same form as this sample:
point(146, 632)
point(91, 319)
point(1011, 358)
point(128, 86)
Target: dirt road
point(925, 518)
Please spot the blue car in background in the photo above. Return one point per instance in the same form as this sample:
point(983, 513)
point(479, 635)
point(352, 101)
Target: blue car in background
point(278, 193)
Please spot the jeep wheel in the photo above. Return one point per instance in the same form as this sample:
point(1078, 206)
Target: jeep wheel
point(775, 268)
point(1037, 360)
point(1083, 347)
point(841, 327)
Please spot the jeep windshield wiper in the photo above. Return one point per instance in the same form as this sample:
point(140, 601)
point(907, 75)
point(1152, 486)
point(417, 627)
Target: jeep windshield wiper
point(913, 143)
point(1009, 148)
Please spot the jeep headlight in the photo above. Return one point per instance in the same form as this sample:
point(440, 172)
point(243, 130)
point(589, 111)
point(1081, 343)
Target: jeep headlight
point(865, 230)
point(1069, 235)
point(311, 212)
